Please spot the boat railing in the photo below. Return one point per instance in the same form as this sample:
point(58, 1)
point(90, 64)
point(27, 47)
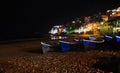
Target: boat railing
point(94, 41)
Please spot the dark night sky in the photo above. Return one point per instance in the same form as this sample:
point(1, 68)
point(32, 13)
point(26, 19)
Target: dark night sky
point(39, 16)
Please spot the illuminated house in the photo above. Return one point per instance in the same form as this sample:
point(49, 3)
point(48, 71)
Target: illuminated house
point(114, 12)
point(115, 22)
point(90, 28)
point(58, 30)
point(105, 18)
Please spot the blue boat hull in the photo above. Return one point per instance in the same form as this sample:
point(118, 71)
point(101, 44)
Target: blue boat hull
point(91, 44)
point(118, 39)
point(108, 38)
point(70, 46)
point(118, 42)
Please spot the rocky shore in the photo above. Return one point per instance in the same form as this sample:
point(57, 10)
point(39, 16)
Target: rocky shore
point(26, 57)
point(93, 61)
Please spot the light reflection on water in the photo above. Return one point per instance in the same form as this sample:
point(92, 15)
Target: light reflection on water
point(58, 37)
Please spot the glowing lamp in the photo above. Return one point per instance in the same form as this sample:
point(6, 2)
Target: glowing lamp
point(101, 22)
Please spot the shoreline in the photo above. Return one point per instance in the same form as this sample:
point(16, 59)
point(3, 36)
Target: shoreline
point(26, 56)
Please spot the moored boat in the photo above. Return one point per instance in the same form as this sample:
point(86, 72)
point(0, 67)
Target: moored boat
point(49, 46)
point(70, 46)
point(111, 42)
point(118, 42)
point(92, 44)
point(118, 39)
point(46, 47)
point(108, 38)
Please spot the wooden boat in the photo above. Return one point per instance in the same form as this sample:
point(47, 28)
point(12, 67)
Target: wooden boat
point(118, 42)
point(92, 44)
point(49, 46)
point(70, 46)
point(118, 39)
point(46, 47)
point(111, 42)
point(108, 38)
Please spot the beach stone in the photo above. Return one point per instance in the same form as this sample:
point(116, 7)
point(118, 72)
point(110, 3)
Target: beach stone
point(54, 62)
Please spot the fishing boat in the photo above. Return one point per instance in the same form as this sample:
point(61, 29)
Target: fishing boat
point(50, 47)
point(92, 43)
point(118, 39)
point(118, 42)
point(71, 46)
point(46, 47)
point(111, 42)
point(108, 38)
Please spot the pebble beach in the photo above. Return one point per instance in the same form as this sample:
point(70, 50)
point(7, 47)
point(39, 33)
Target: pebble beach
point(20, 58)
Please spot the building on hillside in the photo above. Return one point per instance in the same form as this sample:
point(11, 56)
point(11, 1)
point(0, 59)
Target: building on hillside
point(58, 30)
